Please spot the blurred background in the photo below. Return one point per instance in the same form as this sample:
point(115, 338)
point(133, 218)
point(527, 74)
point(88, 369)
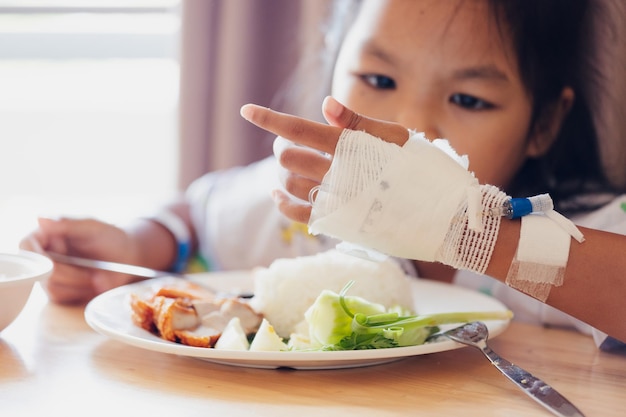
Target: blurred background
point(109, 107)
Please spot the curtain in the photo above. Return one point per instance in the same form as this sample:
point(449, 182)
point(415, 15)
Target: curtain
point(235, 52)
point(606, 72)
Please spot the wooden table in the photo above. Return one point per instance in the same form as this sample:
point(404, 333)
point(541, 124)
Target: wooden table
point(52, 362)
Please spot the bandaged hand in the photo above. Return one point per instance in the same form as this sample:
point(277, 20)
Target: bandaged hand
point(417, 201)
point(423, 200)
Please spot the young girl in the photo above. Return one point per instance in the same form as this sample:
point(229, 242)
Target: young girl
point(509, 98)
point(491, 77)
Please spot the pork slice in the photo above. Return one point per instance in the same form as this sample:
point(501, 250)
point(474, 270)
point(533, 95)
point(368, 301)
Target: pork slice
point(185, 289)
point(172, 315)
point(201, 336)
point(250, 319)
point(206, 306)
point(215, 320)
point(142, 313)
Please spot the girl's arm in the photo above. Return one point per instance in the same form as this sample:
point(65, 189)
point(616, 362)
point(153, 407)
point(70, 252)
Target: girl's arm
point(595, 281)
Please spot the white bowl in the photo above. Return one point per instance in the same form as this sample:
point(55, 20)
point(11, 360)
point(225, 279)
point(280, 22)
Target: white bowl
point(18, 273)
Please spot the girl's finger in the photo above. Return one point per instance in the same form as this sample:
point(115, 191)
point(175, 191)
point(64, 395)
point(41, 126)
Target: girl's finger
point(302, 161)
point(304, 132)
point(297, 186)
point(292, 209)
point(340, 116)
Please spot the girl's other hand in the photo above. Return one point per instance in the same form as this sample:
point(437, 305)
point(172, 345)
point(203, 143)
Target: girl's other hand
point(85, 238)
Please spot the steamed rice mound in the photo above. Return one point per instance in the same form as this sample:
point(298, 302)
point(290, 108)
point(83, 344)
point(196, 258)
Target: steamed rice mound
point(289, 286)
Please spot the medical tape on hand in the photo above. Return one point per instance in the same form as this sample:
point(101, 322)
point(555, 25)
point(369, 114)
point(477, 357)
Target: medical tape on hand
point(541, 257)
point(543, 248)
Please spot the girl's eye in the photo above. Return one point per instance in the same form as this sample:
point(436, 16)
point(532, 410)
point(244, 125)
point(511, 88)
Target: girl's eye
point(470, 102)
point(379, 81)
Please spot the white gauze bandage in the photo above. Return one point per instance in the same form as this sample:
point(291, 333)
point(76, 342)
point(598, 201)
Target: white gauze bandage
point(418, 201)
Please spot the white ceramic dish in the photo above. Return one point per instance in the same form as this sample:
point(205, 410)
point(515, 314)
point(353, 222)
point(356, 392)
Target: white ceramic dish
point(109, 314)
point(18, 273)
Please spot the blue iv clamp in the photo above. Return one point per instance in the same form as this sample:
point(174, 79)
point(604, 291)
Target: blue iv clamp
point(515, 208)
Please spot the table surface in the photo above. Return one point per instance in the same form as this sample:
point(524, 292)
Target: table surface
point(52, 361)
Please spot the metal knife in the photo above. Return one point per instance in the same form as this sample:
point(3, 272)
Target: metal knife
point(136, 270)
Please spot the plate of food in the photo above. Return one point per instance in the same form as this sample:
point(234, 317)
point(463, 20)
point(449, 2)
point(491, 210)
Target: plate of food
point(285, 294)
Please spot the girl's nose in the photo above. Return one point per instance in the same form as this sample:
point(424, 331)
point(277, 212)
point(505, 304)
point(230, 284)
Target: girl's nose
point(420, 117)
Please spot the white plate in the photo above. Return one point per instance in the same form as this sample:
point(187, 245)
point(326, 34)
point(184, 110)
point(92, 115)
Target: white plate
point(109, 314)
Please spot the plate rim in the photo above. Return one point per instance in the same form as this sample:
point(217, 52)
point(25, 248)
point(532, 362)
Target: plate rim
point(259, 359)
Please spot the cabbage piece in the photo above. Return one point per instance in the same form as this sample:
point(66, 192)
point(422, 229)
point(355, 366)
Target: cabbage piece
point(340, 322)
point(328, 320)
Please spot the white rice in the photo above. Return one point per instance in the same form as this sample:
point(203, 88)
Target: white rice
point(288, 287)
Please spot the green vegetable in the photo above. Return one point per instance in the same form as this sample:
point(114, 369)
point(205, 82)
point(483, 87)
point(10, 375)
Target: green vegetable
point(341, 322)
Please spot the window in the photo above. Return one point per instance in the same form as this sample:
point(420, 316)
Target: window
point(88, 109)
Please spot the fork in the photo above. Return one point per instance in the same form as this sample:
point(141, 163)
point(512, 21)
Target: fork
point(475, 334)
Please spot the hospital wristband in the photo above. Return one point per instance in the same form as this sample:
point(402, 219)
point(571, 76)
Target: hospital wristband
point(177, 227)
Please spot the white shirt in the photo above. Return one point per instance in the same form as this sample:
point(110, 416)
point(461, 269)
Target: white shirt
point(237, 223)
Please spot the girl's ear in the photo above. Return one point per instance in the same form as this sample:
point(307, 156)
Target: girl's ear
point(547, 127)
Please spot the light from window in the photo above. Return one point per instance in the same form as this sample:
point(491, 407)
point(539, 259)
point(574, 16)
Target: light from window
point(88, 109)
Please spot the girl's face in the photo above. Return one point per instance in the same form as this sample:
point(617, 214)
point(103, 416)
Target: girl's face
point(440, 67)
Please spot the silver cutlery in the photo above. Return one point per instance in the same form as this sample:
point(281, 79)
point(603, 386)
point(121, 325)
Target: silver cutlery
point(475, 334)
point(135, 270)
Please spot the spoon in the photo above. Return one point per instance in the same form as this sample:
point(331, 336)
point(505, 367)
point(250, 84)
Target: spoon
point(135, 270)
point(475, 334)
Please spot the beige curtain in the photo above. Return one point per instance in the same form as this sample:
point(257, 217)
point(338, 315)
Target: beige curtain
point(606, 56)
point(234, 52)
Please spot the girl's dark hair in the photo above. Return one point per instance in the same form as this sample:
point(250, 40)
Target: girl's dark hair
point(548, 38)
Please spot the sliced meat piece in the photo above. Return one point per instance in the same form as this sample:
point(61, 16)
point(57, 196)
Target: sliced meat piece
point(229, 308)
point(202, 336)
point(142, 313)
point(215, 320)
point(250, 319)
point(185, 289)
point(173, 314)
point(189, 314)
point(162, 320)
point(206, 306)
